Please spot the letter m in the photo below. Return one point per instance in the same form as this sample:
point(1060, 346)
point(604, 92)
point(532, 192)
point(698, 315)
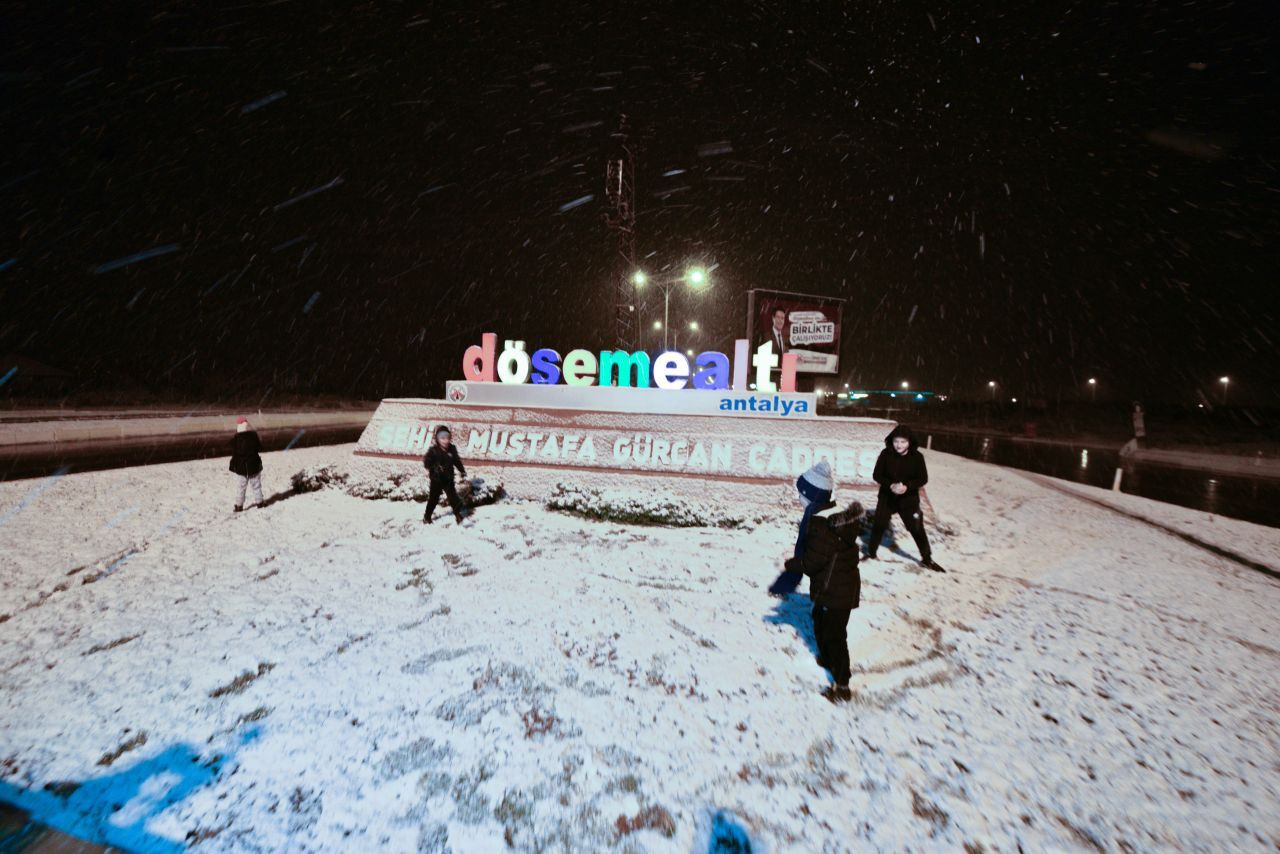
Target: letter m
point(622, 363)
point(478, 440)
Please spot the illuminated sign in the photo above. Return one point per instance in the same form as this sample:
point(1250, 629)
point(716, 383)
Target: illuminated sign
point(671, 371)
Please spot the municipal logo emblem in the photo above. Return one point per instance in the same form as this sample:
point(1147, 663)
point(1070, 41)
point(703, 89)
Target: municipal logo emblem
point(458, 392)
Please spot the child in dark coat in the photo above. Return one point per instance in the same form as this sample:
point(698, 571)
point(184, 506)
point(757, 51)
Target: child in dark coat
point(830, 559)
point(246, 462)
point(440, 461)
point(814, 488)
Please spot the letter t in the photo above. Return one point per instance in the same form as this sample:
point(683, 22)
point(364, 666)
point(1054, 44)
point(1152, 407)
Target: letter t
point(765, 361)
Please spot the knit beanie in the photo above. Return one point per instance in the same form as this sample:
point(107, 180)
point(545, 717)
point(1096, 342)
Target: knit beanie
point(819, 474)
point(816, 484)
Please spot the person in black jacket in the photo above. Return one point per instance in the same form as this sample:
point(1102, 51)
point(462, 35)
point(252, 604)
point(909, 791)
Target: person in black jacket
point(901, 473)
point(440, 461)
point(830, 559)
point(246, 461)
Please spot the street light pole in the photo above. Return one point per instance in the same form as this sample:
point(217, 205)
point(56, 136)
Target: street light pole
point(1093, 390)
point(1226, 383)
point(666, 314)
point(695, 277)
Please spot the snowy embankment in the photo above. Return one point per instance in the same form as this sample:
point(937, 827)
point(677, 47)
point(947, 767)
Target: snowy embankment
point(328, 673)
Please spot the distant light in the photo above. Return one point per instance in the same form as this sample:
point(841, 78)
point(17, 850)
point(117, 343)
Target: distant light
point(1084, 458)
point(639, 278)
point(858, 395)
point(919, 397)
point(1013, 400)
point(1092, 381)
point(904, 384)
point(693, 324)
point(1200, 405)
point(657, 324)
point(991, 384)
point(1225, 380)
point(697, 276)
point(892, 394)
point(688, 352)
point(846, 385)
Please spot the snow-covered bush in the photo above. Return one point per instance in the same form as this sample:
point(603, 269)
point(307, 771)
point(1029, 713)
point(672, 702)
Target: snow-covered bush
point(316, 478)
point(395, 486)
point(635, 508)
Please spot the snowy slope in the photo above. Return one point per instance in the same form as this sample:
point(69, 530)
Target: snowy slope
point(327, 673)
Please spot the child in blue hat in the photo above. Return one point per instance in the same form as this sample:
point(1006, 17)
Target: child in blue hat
point(815, 487)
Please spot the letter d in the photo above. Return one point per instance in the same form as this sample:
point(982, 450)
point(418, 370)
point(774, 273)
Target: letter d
point(478, 362)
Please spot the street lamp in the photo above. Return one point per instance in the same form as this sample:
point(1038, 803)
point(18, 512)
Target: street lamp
point(992, 385)
point(1093, 389)
point(1226, 382)
point(694, 277)
point(675, 335)
point(904, 384)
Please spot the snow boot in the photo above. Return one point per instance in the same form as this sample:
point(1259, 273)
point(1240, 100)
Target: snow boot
point(930, 563)
point(426, 518)
point(838, 693)
point(238, 509)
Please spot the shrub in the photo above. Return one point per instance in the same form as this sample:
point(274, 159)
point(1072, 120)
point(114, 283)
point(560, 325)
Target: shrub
point(316, 478)
point(396, 486)
point(634, 508)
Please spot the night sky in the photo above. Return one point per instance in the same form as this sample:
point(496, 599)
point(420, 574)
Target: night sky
point(340, 200)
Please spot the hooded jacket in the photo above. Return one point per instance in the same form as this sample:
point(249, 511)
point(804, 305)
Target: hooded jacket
point(908, 469)
point(830, 559)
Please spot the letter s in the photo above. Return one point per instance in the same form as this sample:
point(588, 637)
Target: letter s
point(546, 366)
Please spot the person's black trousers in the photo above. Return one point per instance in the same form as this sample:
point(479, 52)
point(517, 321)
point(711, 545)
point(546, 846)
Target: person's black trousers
point(830, 627)
point(908, 509)
point(433, 498)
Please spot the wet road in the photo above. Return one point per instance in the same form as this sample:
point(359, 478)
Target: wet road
point(1249, 498)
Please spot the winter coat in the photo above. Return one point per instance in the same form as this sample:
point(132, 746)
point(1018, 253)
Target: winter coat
point(907, 469)
point(831, 562)
point(244, 454)
point(440, 463)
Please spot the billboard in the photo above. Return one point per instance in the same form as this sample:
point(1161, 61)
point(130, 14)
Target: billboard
point(806, 325)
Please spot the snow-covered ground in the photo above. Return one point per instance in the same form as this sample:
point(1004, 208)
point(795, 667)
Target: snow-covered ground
point(328, 673)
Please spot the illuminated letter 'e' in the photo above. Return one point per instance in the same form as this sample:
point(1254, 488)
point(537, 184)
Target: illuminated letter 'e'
point(580, 368)
point(671, 371)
